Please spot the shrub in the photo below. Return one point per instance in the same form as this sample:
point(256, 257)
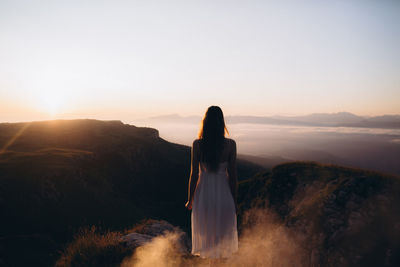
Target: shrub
point(92, 248)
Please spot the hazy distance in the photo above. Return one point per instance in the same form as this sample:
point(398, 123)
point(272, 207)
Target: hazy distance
point(372, 143)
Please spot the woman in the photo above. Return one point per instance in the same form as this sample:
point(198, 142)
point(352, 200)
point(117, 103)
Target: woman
point(212, 192)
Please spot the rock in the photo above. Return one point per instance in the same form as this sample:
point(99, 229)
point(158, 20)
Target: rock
point(151, 229)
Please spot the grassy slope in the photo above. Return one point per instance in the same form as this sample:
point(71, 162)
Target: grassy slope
point(58, 176)
point(349, 217)
point(340, 216)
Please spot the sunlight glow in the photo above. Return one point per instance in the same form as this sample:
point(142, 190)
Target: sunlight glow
point(156, 57)
point(14, 137)
point(51, 102)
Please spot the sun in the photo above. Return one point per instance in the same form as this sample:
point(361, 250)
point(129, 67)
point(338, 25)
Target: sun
point(51, 103)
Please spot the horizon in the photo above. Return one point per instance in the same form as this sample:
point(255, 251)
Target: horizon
point(345, 145)
point(135, 60)
point(145, 119)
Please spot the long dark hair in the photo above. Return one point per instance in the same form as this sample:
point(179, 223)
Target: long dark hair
point(211, 135)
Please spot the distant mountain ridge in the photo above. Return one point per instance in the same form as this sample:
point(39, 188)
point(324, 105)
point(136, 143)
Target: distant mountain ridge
point(339, 119)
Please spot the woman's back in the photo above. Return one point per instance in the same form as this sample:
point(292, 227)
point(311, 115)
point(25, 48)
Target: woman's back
point(225, 155)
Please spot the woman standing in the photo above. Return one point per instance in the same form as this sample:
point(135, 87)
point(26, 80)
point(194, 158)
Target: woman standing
point(212, 189)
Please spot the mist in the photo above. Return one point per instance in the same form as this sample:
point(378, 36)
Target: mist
point(263, 241)
point(370, 148)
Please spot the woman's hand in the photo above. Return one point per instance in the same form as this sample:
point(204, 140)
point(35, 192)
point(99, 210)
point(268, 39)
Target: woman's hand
point(188, 204)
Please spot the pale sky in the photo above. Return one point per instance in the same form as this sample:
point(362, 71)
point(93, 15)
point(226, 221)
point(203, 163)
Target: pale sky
point(126, 59)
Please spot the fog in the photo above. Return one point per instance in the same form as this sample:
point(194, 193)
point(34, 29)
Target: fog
point(264, 241)
point(372, 148)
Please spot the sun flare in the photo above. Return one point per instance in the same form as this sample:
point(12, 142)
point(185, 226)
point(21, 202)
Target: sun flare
point(51, 103)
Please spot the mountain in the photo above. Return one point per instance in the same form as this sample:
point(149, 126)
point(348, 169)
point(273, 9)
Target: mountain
point(298, 214)
point(59, 176)
point(326, 118)
point(385, 121)
point(339, 119)
point(340, 216)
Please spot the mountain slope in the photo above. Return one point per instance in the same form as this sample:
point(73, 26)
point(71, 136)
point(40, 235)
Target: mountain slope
point(346, 216)
point(57, 176)
point(299, 214)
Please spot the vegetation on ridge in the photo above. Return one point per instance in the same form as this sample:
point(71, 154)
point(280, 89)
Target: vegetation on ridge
point(59, 176)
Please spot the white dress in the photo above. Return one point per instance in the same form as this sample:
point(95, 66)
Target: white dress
point(214, 230)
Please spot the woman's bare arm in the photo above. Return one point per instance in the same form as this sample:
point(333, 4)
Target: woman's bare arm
point(232, 172)
point(194, 173)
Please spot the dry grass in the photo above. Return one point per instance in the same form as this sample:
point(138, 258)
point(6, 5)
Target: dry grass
point(92, 248)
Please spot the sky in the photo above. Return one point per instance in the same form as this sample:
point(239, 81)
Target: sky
point(133, 59)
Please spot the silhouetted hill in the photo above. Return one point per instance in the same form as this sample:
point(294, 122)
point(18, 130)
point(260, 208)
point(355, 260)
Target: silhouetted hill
point(299, 214)
point(346, 216)
point(57, 176)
